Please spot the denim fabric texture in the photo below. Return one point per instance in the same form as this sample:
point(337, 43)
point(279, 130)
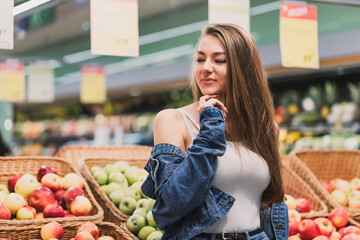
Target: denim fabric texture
point(186, 203)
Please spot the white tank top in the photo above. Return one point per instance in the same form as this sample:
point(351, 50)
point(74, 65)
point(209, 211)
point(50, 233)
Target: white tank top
point(244, 178)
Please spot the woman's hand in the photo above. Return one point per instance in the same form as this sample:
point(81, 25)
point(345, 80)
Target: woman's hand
point(210, 100)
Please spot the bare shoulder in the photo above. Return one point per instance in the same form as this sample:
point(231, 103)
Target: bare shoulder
point(169, 128)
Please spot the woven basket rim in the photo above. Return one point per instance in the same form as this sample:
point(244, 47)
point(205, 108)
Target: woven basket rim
point(65, 221)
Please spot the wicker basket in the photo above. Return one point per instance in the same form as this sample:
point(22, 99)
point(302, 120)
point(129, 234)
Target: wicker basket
point(111, 211)
point(296, 187)
point(325, 165)
point(105, 228)
point(21, 165)
point(75, 153)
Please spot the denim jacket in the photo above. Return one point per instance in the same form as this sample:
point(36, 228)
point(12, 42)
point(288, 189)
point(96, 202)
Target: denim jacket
point(186, 202)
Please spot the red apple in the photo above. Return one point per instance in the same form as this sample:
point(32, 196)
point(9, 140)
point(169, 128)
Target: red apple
point(351, 236)
point(52, 230)
point(81, 206)
point(335, 236)
point(339, 217)
point(303, 205)
point(73, 180)
point(52, 181)
point(41, 197)
point(293, 226)
point(349, 229)
point(290, 201)
point(295, 214)
point(26, 213)
point(327, 186)
point(59, 196)
point(71, 194)
point(5, 212)
point(91, 228)
point(53, 211)
point(12, 181)
point(308, 229)
point(325, 226)
point(69, 215)
point(44, 170)
point(294, 237)
point(84, 236)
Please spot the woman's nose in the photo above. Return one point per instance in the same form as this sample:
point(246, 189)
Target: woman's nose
point(208, 65)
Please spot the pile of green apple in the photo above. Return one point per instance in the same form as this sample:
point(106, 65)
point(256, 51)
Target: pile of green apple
point(46, 195)
point(122, 184)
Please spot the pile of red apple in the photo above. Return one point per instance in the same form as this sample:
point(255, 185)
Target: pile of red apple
point(45, 196)
point(346, 193)
point(301, 205)
point(334, 227)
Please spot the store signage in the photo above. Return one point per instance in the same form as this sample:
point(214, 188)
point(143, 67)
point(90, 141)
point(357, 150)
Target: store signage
point(6, 24)
point(12, 81)
point(93, 86)
point(40, 86)
point(114, 27)
point(230, 11)
point(299, 36)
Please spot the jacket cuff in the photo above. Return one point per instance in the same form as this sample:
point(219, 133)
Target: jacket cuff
point(211, 113)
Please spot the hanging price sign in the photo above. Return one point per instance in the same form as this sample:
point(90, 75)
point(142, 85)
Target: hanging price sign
point(299, 36)
point(230, 11)
point(40, 84)
point(93, 86)
point(114, 27)
point(12, 82)
point(6, 24)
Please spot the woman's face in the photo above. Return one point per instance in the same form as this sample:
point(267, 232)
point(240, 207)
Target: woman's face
point(211, 66)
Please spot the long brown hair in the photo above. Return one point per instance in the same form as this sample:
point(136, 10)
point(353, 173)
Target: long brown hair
point(248, 99)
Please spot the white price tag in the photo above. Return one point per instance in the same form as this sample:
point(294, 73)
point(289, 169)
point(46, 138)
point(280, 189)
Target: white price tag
point(6, 24)
point(40, 84)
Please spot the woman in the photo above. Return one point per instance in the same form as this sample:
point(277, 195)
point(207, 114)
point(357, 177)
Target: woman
point(215, 163)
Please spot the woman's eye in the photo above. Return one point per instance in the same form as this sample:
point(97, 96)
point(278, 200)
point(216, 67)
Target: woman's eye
point(220, 61)
point(200, 60)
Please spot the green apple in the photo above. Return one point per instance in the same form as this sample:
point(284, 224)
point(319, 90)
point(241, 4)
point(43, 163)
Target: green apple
point(132, 174)
point(4, 188)
point(141, 203)
point(136, 185)
point(94, 169)
point(110, 168)
point(135, 223)
point(26, 185)
point(101, 177)
point(127, 205)
point(117, 196)
point(145, 232)
point(150, 219)
point(149, 205)
point(119, 178)
point(142, 179)
point(2, 196)
point(156, 235)
point(105, 188)
point(140, 211)
point(121, 165)
point(143, 173)
point(134, 193)
point(112, 187)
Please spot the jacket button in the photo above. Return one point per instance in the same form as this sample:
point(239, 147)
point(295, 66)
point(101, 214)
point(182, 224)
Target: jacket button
point(279, 226)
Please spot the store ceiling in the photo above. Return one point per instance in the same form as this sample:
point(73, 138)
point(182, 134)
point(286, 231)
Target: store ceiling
point(165, 61)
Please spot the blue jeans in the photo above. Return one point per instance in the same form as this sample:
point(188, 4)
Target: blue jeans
point(259, 236)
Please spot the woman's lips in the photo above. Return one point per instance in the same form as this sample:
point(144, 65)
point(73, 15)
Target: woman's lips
point(208, 80)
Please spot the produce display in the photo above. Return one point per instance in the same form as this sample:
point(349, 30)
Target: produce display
point(335, 226)
point(122, 184)
point(299, 204)
point(346, 193)
point(46, 195)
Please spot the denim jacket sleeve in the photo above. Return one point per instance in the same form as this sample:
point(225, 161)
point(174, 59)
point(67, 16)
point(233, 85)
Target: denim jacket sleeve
point(179, 182)
point(274, 221)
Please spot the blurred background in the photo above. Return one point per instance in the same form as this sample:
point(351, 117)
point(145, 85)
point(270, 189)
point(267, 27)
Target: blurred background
point(316, 109)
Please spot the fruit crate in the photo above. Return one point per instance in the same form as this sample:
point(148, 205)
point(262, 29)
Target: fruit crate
point(105, 228)
point(75, 153)
point(315, 166)
point(298, 188)
point(20, 165)
point(111, 211)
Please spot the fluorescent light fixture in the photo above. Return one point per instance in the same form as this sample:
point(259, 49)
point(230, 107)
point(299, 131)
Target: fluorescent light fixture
point(267, 7)
point(28, 5)
point(79, 57)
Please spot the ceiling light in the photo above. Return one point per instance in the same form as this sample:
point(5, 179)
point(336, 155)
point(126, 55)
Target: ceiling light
point(28, 5)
